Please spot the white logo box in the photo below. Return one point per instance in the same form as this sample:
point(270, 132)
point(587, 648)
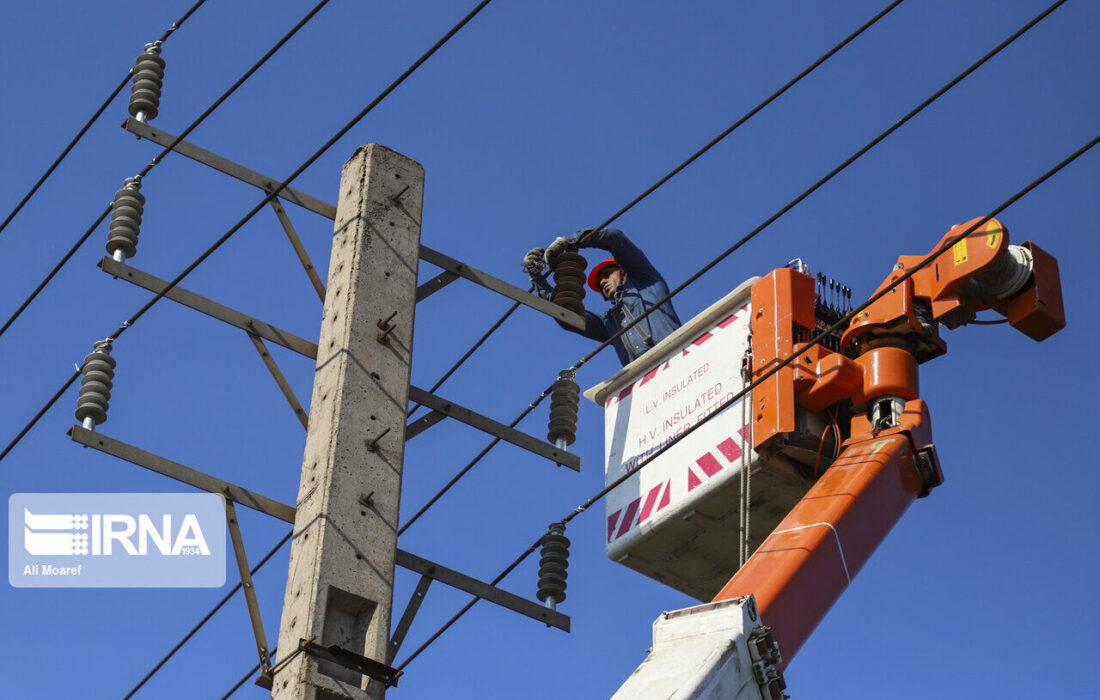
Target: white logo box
point(677, 519)
point(116, 540)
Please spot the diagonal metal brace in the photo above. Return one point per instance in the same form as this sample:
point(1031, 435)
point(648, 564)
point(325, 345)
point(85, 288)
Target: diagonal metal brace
point(280, 380)
point(289, 194)
point(488, 425)
point(299, 249)
point(483, 590)
point(349, 659)
point(407, 617)
point(434, 285)
point(499, 286)
point(246, 585)
point(209, 307)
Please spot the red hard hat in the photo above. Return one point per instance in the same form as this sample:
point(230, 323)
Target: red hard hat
point(595, 273)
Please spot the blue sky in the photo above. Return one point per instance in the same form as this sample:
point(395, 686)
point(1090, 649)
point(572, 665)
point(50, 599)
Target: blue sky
point(538, 119)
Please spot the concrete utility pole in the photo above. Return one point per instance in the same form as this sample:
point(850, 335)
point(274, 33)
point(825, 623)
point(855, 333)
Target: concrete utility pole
point(340, 587)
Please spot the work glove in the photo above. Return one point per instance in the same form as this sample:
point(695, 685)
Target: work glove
point(533, 262)
point(555, 249)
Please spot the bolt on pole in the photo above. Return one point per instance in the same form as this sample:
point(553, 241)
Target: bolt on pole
point(340, 586)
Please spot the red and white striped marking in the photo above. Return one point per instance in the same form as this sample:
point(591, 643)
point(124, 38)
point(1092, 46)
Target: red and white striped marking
point(639, 510)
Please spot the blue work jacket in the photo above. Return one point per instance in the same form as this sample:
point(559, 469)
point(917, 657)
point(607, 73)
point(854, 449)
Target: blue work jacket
point(641, 291)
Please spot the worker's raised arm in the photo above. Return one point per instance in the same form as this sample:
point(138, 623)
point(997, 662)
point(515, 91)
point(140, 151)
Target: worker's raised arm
point(593, 324)
point(629, 256)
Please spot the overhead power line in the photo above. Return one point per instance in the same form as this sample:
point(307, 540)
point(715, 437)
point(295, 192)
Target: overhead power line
point(206, 618)
point(1035, 183)
point(770, 220)
point(160, 156)
point(828, 176)
point(274, 193)
point(145, 171)
point(92, 120)
point(745, 391)
point(648, 191)
point(747, 116)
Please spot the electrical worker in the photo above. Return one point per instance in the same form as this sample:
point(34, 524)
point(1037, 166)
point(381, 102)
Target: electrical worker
point(627, 280)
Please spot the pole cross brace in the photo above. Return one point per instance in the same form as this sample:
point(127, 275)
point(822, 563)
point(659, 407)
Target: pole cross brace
point(327, 210)
point(349, 659)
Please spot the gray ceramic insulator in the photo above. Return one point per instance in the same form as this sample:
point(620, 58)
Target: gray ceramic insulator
point(98, 373)
point(564, 401)
point(147, 83)
point(126, 213)
point(553, 565)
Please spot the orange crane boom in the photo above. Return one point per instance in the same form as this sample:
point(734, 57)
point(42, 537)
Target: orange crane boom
point(888, 459)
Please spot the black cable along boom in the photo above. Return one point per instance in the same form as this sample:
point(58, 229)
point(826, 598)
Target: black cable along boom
point(92, 120)
point(160, 156)
point(1035, 183)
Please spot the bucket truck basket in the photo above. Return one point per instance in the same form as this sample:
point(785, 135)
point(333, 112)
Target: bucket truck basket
point(677, 519)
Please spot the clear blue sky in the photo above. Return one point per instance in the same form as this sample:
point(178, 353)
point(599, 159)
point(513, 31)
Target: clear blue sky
point(538, 119)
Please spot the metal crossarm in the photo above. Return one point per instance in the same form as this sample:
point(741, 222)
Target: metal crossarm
point(435, 284)
point(174, 470)
point(483, 590)
point(268, 506)
point(224, 165)
point(488, 425)
point(501, 287)
point(210, 308)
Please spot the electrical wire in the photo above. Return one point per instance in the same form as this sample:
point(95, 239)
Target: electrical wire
point(843, 321)
point(806, 193)
point(473, 348)
point(650, 190)
point(160, 156)
point(748, 115)
point(92, 120)
point(245, 677)
point(206, 618)
point(145, 171)
point(272, 194)
point(829, 176)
